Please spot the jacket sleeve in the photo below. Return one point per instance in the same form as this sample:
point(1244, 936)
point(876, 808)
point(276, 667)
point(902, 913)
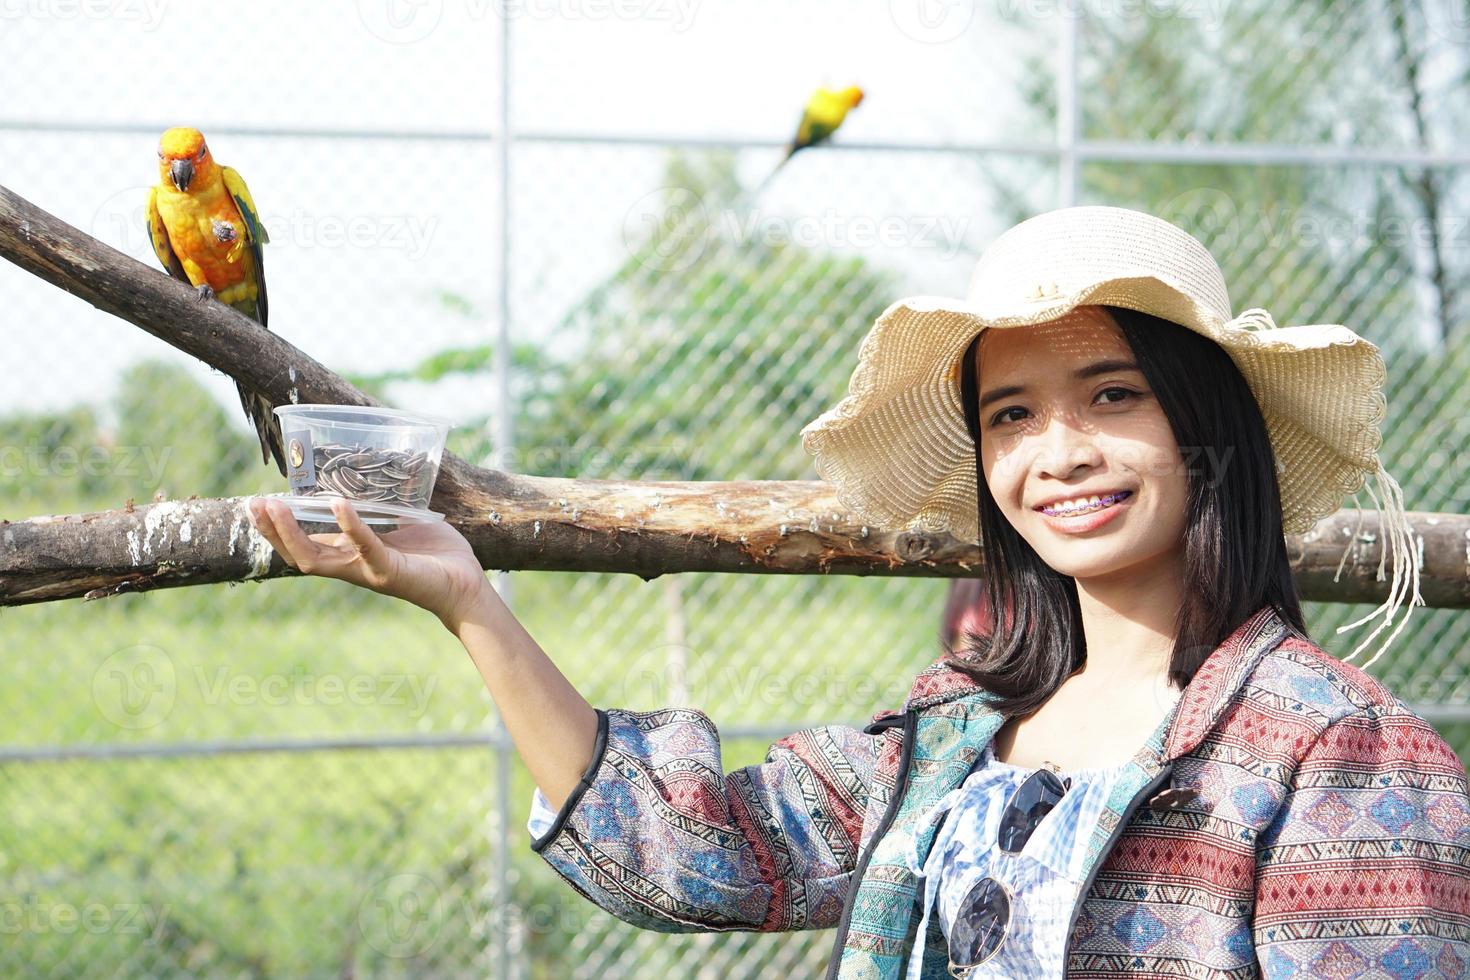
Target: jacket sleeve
point(659, 835)
point(1365, 870)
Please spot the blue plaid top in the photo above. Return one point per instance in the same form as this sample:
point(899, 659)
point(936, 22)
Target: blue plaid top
point(1044, 878)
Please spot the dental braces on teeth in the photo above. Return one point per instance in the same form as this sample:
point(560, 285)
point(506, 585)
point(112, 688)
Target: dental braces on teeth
point(1091, 504)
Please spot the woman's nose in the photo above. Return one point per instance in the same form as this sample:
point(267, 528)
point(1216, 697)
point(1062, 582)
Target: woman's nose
point(1061, 447)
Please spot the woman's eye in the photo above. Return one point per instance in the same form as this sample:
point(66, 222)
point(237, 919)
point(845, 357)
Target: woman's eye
point(1000, 418)
point(1123, 391)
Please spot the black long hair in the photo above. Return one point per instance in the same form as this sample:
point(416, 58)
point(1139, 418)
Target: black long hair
point(1234, 549)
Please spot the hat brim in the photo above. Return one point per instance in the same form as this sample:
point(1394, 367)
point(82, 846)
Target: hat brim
point(898, 453)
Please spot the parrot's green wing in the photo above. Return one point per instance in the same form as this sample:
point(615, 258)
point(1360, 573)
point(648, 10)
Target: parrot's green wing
point(812, 130)
point(255, 234)
point(158, 235)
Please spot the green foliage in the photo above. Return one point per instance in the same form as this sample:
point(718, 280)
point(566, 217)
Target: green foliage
point(45, 457)
point(698, 358)
point(164, 414)
point(171, 437)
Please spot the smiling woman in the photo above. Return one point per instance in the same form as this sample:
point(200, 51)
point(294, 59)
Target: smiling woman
point(1142, 766)
point(1124, 472)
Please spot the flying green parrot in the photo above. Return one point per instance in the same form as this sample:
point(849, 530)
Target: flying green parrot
point(825, 111)
point(207, 233)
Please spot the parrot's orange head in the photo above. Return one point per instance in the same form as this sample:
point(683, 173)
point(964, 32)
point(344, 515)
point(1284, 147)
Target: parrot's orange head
point(183, 157)
point(854, 96)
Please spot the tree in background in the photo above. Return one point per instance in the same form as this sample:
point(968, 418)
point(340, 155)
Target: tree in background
point(698, 358)
point(171, 437)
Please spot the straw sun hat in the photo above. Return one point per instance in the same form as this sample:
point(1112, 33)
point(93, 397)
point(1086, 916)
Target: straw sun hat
point(898, 453)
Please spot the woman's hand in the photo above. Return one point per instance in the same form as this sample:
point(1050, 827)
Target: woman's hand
point(430, 565)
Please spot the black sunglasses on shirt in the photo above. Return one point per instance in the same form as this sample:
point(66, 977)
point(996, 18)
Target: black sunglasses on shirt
point(984, 916)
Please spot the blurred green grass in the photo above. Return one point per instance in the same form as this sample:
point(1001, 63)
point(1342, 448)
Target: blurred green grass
point(284, 864)
point(361, 862)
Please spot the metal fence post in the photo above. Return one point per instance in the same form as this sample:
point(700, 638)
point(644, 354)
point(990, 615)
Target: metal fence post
point(502, 448)
point(1069, 116)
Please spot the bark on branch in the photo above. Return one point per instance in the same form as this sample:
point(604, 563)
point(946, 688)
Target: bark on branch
point(647, 529)
point(518, 522)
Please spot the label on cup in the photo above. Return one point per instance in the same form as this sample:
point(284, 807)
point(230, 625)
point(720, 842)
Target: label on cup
point(300, 463)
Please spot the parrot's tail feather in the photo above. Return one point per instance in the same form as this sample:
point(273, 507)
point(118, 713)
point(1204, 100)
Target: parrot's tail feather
point(244, 400)
point(267, 427)
point(774, 171)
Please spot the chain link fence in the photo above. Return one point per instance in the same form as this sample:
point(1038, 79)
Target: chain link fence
point(300, 779)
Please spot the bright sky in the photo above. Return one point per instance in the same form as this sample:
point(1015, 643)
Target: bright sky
point(367, 231)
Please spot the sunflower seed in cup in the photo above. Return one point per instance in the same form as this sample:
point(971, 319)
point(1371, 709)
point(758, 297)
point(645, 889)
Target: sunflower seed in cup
point(372, 475)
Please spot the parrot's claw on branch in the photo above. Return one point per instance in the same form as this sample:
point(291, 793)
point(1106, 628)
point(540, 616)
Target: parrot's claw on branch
point(204, 292)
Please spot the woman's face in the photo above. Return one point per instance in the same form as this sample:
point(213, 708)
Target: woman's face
point(1063, 417)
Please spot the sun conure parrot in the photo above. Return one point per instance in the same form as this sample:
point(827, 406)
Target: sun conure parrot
point(206, 232)
point(824, 113)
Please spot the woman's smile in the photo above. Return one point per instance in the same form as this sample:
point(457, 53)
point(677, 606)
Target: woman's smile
point(1088, 517)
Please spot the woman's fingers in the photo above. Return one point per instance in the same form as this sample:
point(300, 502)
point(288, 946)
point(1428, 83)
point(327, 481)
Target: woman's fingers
point(291, 541)
point(260, 519)
point(355, 555)
point(360, 536)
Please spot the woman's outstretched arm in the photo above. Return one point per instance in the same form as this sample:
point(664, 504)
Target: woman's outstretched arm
point(434, 567)
point(552, 725)
point(651, 827)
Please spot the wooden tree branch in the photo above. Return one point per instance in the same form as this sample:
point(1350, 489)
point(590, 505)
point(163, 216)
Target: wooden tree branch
point(647, 529)
point(519, 522)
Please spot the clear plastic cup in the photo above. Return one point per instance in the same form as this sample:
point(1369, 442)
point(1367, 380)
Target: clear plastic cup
point(383, 460)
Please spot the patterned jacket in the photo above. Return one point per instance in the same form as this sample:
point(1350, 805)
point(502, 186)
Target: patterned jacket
point(1297, 820)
